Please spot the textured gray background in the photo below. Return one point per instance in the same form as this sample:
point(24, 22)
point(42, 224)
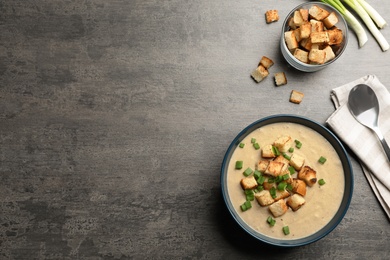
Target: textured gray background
point(115, 116)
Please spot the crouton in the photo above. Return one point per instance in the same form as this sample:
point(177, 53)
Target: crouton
point(329, 54)
point(267, 185)
point(331, 20)
point(318, 13)
point(271, 16)
point(308, 175)
point(259, 73)
point(317, 26)
point(297, 18)
point(297, 161)
point(278, 208)
point(283, 143)
point(298, 186)
point(291, 40)
point(296, 97)
point(248, 183)
point(266, 62)
point(262, 165)
point(305, 30)
point(264, 198)
point(319, 37)
point(301, 55)
point(267, 151)
point(274, 168)
point(280, 78)
point(317, 56)
point(281, 159)
point(281, 195)
point(306, 44)
point(304, 14)
point(335, 36)
point(291, 23)
point(295, 202)
point(297, 33)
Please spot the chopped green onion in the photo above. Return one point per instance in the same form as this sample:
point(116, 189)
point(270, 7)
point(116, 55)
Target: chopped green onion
point(278, 179)
point(271, 221)
point(282, 186)
point(287, 156)
point(291, 150)
point(241, 145)
point(289, 187)
point(275, 151)
point(286, 177)
point(256, 174)
point(253, 140)
point(239, 164)
point(286, 230)
point(272, 191)
point(271, 180)
point(259, 188)
point(248, 171)
point(298, 144)
point(351, 20)
point(322, 160)
point(321, 182)
point(261, 180)
point(249, 192)
point(256, 146)
point(291, 169)
point(246, 205)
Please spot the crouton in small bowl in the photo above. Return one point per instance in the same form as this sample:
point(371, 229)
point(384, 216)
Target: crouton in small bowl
point(314, 35)
point(287, 180)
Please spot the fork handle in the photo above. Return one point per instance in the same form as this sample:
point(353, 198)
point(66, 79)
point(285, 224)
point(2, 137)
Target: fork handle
point(383, 142)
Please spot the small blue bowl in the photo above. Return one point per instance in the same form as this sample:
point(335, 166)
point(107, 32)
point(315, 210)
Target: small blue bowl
point(346, 164)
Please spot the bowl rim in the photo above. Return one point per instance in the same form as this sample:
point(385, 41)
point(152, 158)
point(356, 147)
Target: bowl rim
point(347, 168)
point(314, 66)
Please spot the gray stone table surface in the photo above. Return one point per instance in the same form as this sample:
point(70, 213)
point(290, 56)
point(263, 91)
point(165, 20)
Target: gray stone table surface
point(115, 116)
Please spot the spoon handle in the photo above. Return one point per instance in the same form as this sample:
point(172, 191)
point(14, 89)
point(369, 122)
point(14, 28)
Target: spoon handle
point(383, 142)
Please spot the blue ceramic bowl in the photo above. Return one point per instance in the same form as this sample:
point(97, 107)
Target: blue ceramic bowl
point(348, 174)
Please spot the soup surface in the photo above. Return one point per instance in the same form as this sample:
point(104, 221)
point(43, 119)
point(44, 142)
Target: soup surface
point(321, 201)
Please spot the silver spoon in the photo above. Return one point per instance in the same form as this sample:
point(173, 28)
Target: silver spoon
point(364, 106)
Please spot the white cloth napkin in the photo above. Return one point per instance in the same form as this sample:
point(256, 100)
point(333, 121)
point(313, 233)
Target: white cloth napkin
point(363, 141)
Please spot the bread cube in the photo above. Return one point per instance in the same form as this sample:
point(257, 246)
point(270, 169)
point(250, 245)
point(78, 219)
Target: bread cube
point(281, 195)
point(271, 16)
point(248, 183)
point(268, 186)
point(291, 40)
point(316, 26)
point(335, 36)
point(280, 78)
point(267, 151)
point(291, 24)
point(318, 13)
point(319, 37)
point(308, 175)
point(317, 56)
point(262, 165)
point(297, 33)
point(278, 208)
point(305, 30)
point(329, 54)
point(306, 44)
point(297, 161)
point(283, 143)
point(302, 55)
point(281, 159)
point(299, 187)
point(274, 168)
point(259, 73)
point(305, 14)
point(296, 97)
point(297, 18)
point(331, 20)
point(266, 62)
point(295, 202)
point(264, 198)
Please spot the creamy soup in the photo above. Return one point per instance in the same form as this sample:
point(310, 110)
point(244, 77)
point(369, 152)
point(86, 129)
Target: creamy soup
point(321, 201)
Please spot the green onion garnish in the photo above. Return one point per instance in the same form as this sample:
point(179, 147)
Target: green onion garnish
point(271, 221)
point(261, 180)
point(241, 145)
point(272, 191)
point(322, 160)
point(239, 164)
point(321, 182)
point(287, 156)
point(289, 187)
point(291, 150)
point(298, 144)
point(275, 151)
point(256, 146)
point(248, 171)
point(246, 205)
point(253, 140)
point(271, 179)
point(282, 185)
point(286, 230)
point(256, 174)
point(259, 188)
point(286, 177)
point(291, 170)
